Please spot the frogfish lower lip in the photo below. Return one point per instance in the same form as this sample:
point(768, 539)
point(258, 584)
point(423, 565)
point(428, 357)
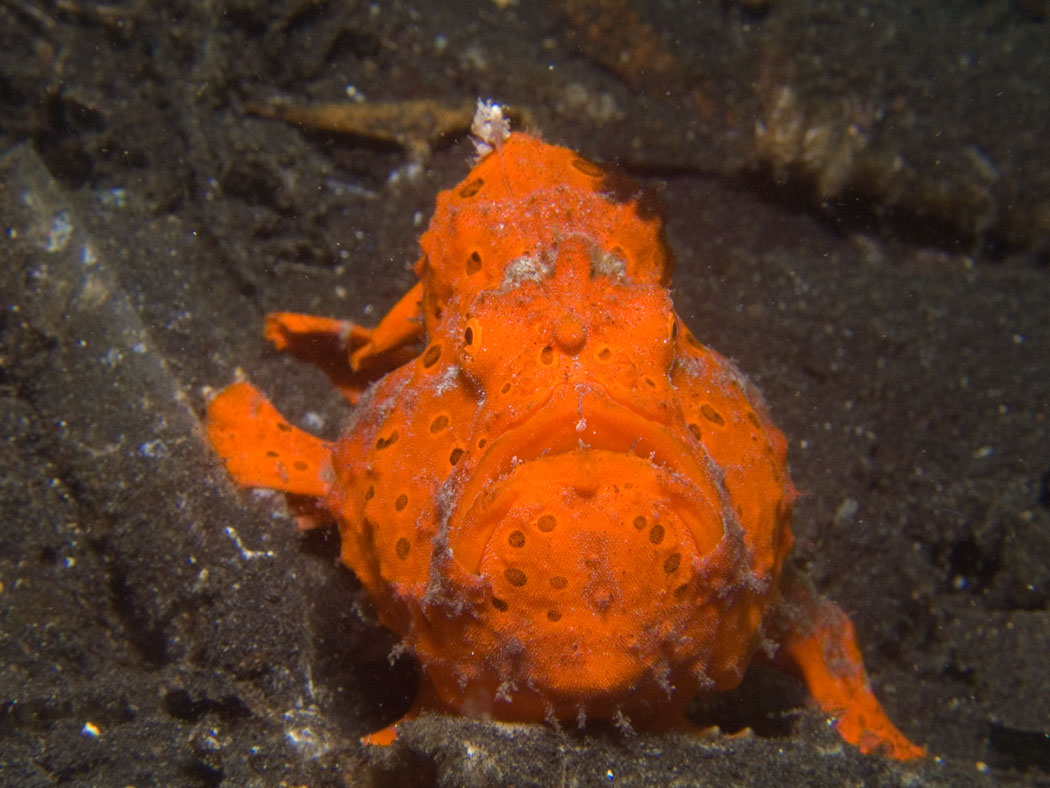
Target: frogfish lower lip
point(589, 525)
point(584, 422)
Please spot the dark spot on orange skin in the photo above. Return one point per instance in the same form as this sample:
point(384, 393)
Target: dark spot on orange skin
point(471, 188)
point(402, 548)
point(712, 415)
point(588, 167)
point(430, 358)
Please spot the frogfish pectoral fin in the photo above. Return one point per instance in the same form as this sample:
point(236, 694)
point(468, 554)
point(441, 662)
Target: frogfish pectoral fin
point(346, 352)
point(261, 449)
point(822, 646)
point(400, 328)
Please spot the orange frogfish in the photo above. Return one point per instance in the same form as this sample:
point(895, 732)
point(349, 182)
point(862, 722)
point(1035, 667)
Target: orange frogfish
point(565, 505)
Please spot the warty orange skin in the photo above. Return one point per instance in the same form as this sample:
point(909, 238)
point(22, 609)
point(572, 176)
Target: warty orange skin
point(564, 504)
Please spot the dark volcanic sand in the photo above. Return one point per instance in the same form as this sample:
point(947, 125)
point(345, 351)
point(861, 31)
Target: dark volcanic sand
point(873, 253)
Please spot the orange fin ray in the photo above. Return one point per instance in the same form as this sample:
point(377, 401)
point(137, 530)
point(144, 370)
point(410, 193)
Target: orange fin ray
point(261, 449)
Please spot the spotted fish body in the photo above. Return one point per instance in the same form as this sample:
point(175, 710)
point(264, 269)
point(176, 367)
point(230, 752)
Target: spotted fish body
point(565, 505)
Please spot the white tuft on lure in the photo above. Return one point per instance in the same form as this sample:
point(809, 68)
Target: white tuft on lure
point(489, 129)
